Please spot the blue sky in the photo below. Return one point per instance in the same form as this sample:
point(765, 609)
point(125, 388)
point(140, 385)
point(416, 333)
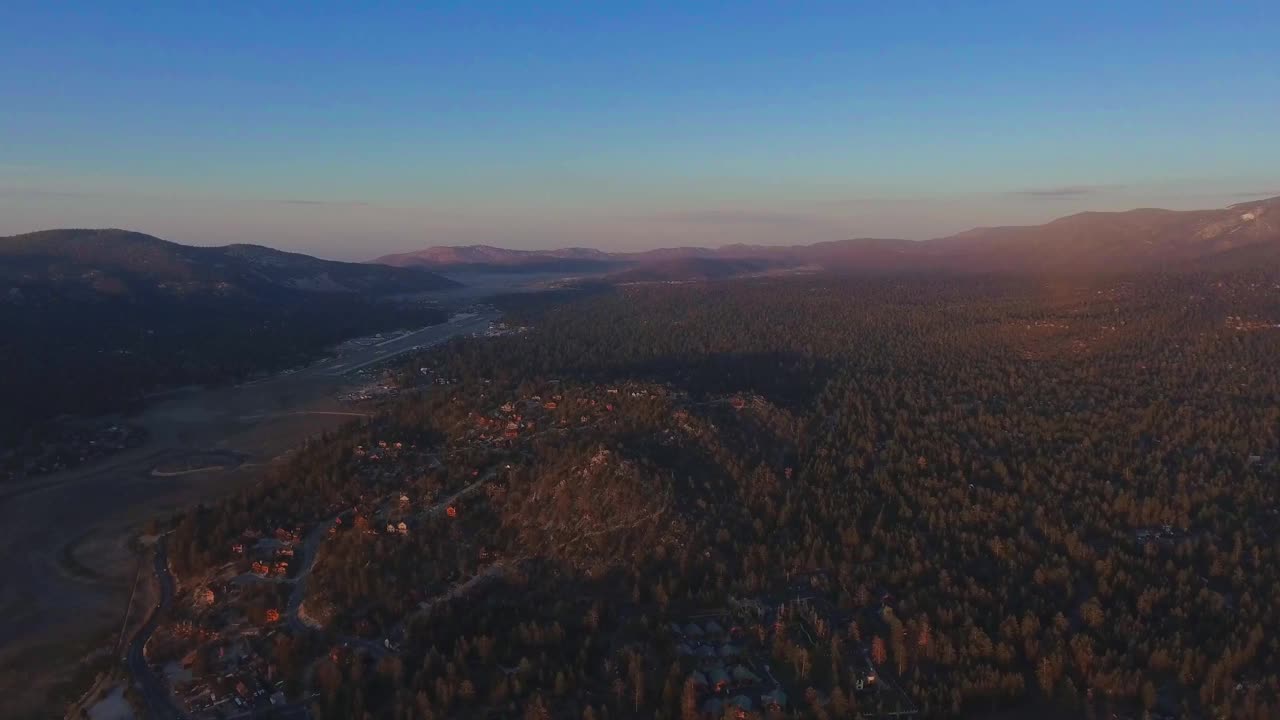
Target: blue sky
point(346, 132)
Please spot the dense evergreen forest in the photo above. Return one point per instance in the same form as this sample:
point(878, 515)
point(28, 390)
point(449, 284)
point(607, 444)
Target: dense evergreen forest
point(801, 497)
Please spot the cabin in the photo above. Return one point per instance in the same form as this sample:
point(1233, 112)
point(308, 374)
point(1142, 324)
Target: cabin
point(742, 705)
point(775, 700)
point(743, 676)
point(718, 679)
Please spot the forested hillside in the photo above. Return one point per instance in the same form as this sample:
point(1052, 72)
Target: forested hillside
point(794, 498)
point(95, 319)
point(1139, 240)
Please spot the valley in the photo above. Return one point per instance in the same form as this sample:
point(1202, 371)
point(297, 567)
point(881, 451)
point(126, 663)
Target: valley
point(713, 483)
point(640, 361)
point(66, 538)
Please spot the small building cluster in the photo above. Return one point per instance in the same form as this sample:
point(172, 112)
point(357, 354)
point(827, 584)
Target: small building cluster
point(724, 674)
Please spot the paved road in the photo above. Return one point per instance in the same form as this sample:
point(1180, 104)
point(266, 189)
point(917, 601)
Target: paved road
point(439, 508)
point(155, 693)
point(418, 339)
point(309, 550)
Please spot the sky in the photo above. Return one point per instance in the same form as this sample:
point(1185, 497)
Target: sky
point(348, 133)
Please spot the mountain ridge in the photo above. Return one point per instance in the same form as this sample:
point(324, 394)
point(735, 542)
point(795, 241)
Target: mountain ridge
point(1127, 240)
point(137, 262)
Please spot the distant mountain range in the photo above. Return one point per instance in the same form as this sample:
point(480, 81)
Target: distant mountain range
point(114, 262)
point(119, 262)
point(486, 258)
point(1134, 240)
point(95, 319)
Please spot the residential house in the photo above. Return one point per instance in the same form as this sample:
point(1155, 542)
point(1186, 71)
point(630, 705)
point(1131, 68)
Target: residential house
point(775, 699)
point(719, 679)
point(743, 676)
point(742, 705)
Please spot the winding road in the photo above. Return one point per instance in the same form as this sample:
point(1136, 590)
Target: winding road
point(310, 548)
point(155, 693)
point(158, 701)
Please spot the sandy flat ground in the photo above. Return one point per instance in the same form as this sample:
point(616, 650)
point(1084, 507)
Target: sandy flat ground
point(64, 542)
point(112, 707)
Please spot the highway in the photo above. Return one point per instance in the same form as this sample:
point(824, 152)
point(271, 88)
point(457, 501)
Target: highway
point(155, 694)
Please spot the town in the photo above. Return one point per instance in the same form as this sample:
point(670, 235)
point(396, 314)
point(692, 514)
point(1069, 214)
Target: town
point(251, 628)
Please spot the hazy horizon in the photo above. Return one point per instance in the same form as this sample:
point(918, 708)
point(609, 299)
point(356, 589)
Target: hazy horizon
point(625, 129)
